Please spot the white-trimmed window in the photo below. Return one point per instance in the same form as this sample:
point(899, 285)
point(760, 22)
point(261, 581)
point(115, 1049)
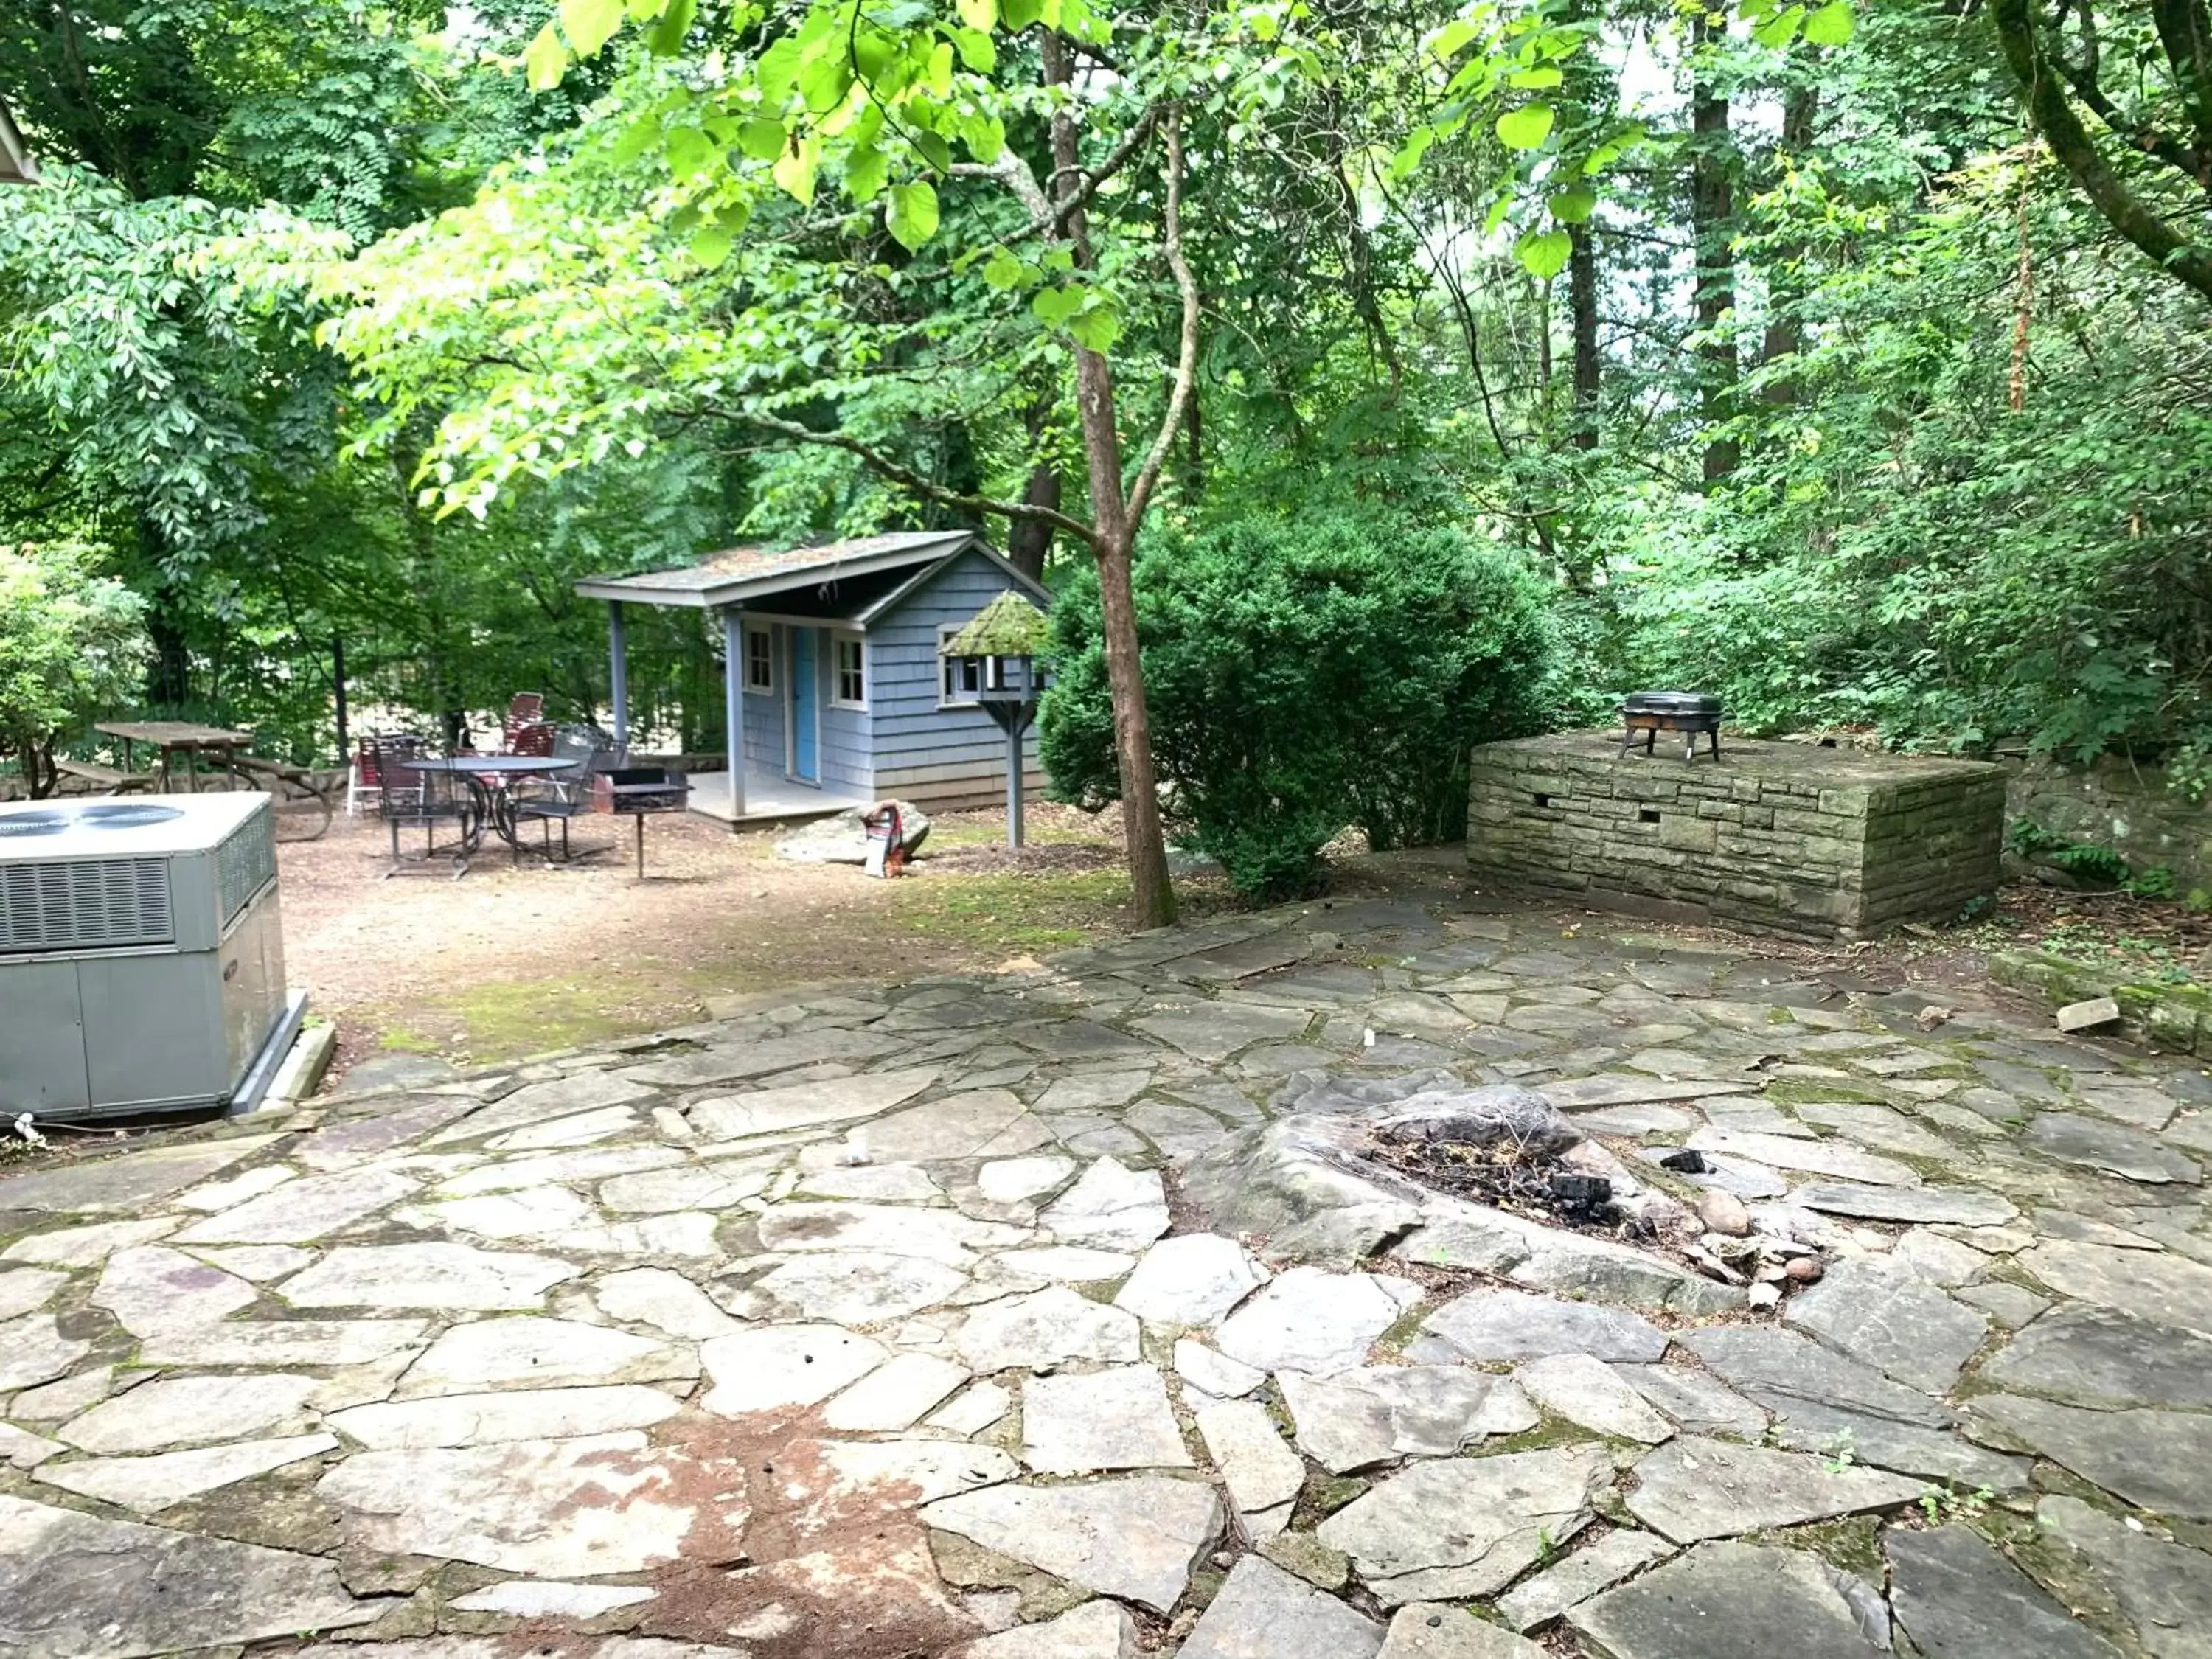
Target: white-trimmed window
point(961, 678)
point(849, 670)
point(760, 661)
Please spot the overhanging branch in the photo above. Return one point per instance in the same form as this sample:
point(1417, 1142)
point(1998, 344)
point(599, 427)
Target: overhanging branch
point(2069, 141)
point(905, 477)
point(1148, 475)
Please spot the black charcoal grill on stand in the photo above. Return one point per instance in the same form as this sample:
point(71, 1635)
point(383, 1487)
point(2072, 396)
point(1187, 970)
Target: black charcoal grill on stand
point(1686, 712)
point(639, 791)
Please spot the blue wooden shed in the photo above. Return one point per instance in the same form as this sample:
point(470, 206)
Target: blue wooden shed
point(834, 686)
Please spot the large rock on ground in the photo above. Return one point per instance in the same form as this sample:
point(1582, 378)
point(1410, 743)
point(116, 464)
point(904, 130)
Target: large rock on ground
point(1466, 1527)
point(843, 839)
point(1958, 1599)
point(76, 1586)
point(1730, 1601)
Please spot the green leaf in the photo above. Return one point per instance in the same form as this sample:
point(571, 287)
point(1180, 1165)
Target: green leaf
point(691, 152)
point(546, 61)
point(1004, 271)
point(590, 24)
point(1020, 14)
point(1096, 329)
point(939, 75)
point(1525, 128)
point(911, 215)
point(1543, 75)
point(665, 38)
point(985, 136)
point(866, 169)
point(1831, 25)
point(1057, 258)
point(976, 50)
point(934, 150)
point(1498, 211)
point(1572, 207)
point(824, 82)
point(777, 72)
point(1543, 253)
point(1056, 306)
point(1408, 158)
point(794, 169)
point(762, 139)
point(981, 15)
point(1780, 29)
point(1452, 39)
point(711, 245)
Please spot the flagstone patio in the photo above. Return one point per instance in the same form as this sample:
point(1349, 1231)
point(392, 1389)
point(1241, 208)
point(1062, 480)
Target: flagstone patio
point(882, 1325)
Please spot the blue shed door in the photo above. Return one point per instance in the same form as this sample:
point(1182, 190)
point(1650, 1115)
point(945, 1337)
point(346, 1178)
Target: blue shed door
point(806, 706)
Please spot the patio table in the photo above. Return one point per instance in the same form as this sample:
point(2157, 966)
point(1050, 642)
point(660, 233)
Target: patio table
point(173, 738)
point(486, 776)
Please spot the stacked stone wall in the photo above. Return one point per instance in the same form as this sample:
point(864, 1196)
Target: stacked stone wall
point(1814, 842)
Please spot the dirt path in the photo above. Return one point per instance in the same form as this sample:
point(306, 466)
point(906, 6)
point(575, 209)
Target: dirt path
point(512, 960)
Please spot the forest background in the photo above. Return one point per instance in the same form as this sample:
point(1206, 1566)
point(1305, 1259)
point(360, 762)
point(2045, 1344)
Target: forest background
point(1849, 365)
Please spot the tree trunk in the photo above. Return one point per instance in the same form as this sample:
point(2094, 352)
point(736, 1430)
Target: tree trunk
point(1151, 896)
point(1783, 338)
point(1582, 306)
point(1712, 212)
point(1030, 540)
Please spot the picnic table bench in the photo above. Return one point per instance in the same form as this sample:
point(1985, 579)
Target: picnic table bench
point(113, 779)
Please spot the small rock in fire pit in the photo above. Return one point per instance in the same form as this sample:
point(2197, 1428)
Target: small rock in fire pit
point(1805, 1269)
point(1724, 1212)
point(1685, 1162)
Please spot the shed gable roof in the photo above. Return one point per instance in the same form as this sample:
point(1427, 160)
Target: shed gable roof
point(740, 573)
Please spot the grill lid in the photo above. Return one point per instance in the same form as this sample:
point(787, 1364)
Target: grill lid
point(1669, 703)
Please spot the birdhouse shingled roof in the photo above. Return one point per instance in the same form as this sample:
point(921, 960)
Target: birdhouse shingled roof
point(1009, 626)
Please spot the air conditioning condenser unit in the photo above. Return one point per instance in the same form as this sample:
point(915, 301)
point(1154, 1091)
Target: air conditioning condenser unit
point(141, 956)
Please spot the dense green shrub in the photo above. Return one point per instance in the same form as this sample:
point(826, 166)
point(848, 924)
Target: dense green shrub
point(1305, 676)
point(72, 646)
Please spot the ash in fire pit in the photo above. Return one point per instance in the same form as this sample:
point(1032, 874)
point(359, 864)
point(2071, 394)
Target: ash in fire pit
point(1501, 1147)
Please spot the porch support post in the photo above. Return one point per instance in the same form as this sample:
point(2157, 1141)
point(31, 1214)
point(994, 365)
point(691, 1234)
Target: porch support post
point(618, 675)
point(733, 705)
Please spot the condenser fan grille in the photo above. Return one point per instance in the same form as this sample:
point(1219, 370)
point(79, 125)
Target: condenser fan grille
point(83, 904)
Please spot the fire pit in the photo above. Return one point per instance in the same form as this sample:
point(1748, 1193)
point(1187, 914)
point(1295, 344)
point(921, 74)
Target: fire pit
point(1495, 1179)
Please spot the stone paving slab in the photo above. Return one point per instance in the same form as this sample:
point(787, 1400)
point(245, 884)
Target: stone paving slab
point(1027, 1317)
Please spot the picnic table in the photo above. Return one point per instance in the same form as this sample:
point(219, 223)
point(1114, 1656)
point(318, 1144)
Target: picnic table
point(303, 807)
point(179, 739)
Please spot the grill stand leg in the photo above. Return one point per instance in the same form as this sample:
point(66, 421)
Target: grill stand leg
point(640, 845)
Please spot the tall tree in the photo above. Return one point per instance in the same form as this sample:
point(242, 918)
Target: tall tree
point(2143, 155)
point(1712, 228)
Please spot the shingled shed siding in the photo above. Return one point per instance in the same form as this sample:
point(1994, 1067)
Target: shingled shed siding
point(1789, 838)
point(936, 756)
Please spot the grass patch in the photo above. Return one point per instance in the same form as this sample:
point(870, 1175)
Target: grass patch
point(495, 1020)
point(1028, 913)
point(1853, 1544)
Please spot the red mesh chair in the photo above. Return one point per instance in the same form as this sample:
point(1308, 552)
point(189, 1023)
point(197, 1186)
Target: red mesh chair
point(534, 740)
point(372, 760)
point(526, 709)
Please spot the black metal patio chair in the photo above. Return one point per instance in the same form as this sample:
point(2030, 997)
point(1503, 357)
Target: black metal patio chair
point(409, 799)
point(560, 796)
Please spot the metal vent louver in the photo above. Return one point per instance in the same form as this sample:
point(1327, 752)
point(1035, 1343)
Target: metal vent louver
point(84, 904)
point(246, 863)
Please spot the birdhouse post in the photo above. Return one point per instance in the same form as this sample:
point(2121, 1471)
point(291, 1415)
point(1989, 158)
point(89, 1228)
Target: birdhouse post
point(1002, 645)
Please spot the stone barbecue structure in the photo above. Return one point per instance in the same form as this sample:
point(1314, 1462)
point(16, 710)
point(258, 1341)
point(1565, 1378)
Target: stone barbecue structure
point(1822, 843)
